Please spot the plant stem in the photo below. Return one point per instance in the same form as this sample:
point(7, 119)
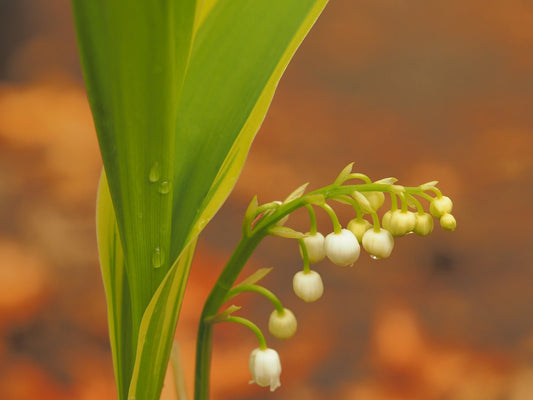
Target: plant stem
point(224, 283)
point(253, 327)
point(248, 243)
point(257, 289)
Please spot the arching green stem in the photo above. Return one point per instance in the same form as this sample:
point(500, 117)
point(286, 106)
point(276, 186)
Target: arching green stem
point(305, 256)
point(312, 219)
point(257, 289)
point(356, 175)
point(337, 227)
point(253, 327)
point(437, 192)
point(394, 202)
point(419, 207)
point(375, 221)
point(404, 202)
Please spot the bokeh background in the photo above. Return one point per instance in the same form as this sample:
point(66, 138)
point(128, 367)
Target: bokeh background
point(414, 89)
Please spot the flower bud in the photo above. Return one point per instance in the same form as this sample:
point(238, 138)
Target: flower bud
point(424, 224)
point(448, 222)
point(378, 244)
point(265, 367)
point(308, 286)
point(401, 222)
point(282, 325)
point(342, 248)
point(359, 227)
point(440, 206)
point(376, 199)
point(385, 220)
point(315, 247)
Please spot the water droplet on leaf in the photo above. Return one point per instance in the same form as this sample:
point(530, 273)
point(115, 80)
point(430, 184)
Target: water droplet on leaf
point(155, 172)
point(157, 258)
point(164, 187)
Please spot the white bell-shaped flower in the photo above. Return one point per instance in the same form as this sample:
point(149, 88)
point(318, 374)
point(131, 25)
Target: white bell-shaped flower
point(315, 247)
point(378, 244)
point(448, 222)
point(282, 325)
point(342, 248)
point(424, 224)
point(359, 227)
point(385, 220)
point(308, 286)
point(440, 206)
point(401, 222)
point(265, 367)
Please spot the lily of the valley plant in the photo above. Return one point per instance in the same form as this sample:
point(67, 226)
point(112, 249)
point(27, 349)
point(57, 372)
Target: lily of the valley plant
point(178, 90)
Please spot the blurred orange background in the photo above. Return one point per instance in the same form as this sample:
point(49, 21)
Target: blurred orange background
point(414, 89)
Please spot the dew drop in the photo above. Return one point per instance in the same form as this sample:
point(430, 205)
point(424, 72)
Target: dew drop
point(155, 172)
point(373, 257)
point(164, 187)
point(157, 258)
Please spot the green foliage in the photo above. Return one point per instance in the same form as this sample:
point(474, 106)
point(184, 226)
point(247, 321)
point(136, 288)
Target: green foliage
point(178, 90)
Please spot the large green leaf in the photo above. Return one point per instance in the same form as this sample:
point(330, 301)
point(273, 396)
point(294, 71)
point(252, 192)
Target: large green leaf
point(116, 288)
point(178, 93)
point(240, 52)
point(245, 68)
point(135, 55)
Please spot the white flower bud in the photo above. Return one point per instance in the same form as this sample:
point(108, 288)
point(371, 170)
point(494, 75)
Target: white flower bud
point(424, 224)
point(359, 227)
point(440, 206)
point(265, 367)
point(401, 222)
point(342, 248)
point(448, 222)
point(315, 247)
point(378, 244)
point(308, 286)
point(385, 220)
point(282, 325)
point(376, 199)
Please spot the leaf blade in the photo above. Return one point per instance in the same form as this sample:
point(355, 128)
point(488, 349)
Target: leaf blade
point(232, 150)
point(116, 288)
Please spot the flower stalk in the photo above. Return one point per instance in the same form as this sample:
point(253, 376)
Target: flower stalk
point(260, 221)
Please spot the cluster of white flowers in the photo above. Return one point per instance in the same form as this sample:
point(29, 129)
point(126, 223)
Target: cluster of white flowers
point(441, 208)
point(343, 248)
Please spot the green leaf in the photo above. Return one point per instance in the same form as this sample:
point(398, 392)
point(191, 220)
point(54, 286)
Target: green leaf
point(344, 175)
point(298, 192)
point(223, 315)
point(256, 276)
point(116, 288)
point(177, 372)
point(178, 92)
point(285, 232)
point(239, 55)
point(157, 330)
point(135, 56)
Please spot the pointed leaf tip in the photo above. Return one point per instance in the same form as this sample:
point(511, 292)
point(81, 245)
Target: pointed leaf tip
point(296, 193)
point(345, 173)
